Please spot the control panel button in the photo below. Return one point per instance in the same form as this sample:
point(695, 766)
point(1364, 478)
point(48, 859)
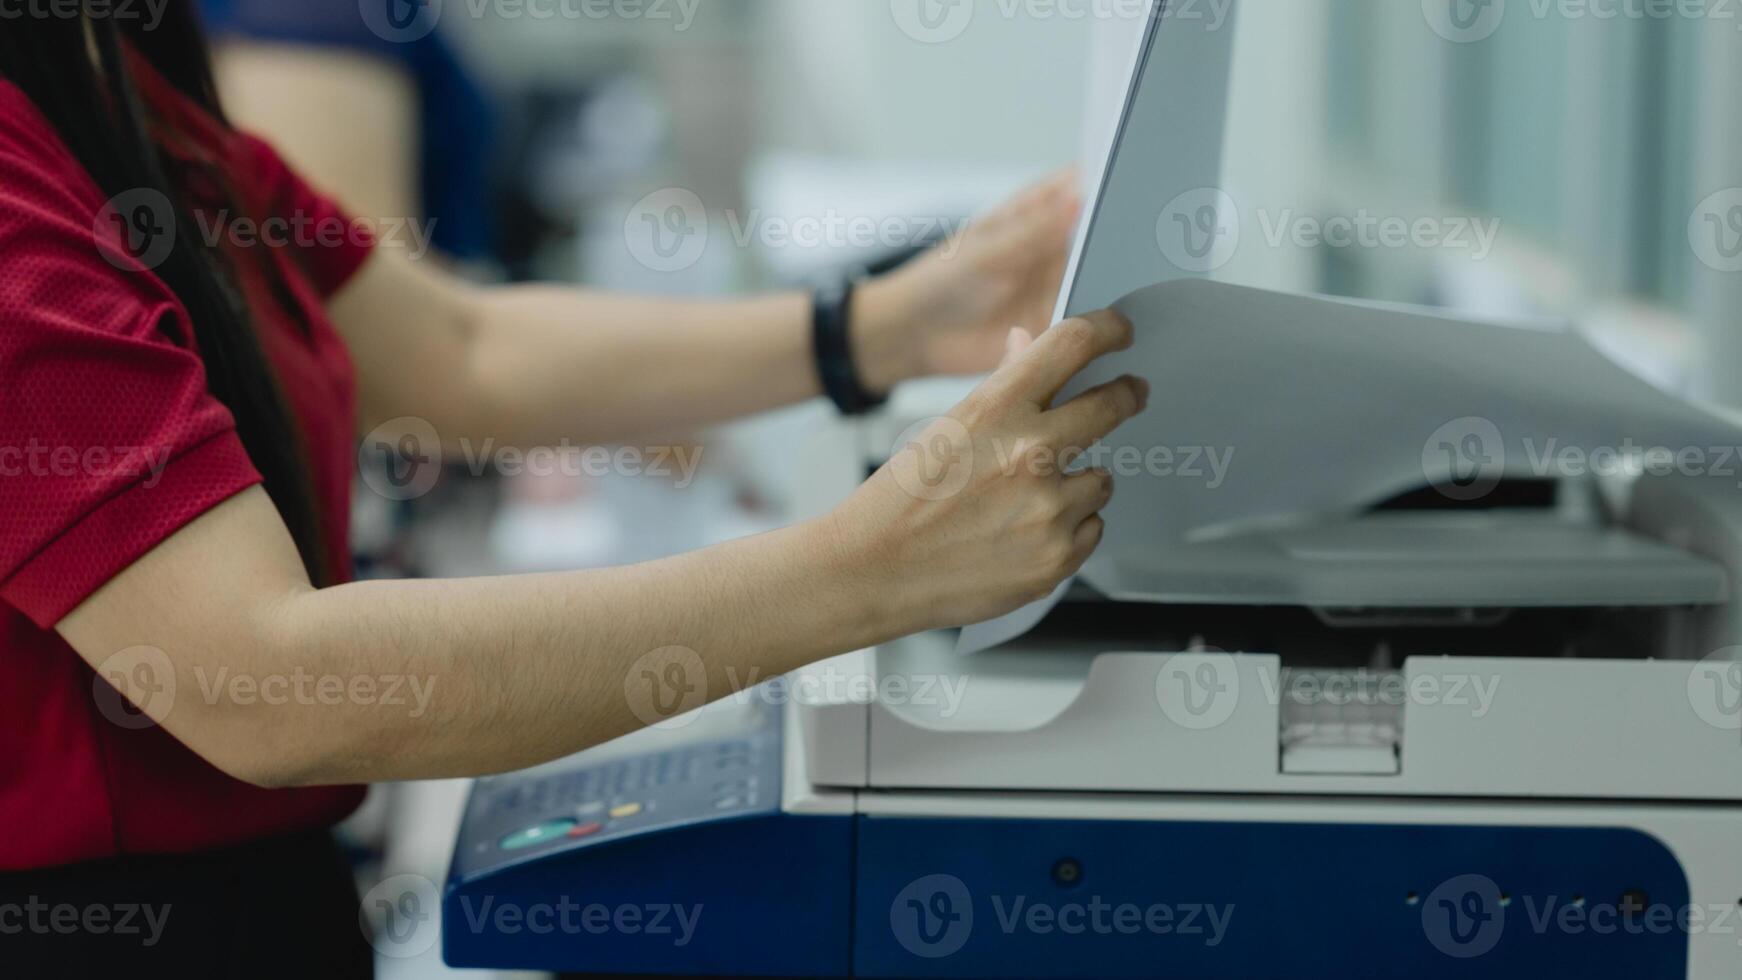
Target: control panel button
point(537, 834)
point(586, 829)
point(625, 810)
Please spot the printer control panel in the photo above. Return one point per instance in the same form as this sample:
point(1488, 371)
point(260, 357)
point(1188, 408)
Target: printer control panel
point(616, 791)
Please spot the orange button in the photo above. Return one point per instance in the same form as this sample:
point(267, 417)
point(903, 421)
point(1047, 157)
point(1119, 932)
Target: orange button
point(586, 830)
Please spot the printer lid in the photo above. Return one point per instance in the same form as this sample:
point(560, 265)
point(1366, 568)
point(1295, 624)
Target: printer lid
point(1277, 422)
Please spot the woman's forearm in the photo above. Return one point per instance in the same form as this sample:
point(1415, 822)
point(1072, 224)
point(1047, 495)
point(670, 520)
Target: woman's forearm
point(557, 363)
point(280, 684)
point(521, 671)
point(526, 366)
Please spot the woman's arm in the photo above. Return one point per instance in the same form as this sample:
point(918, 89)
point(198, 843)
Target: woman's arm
point(534, 365)
point(493, 674)
point(527, 366)
point(281, 684)
point(344, 119)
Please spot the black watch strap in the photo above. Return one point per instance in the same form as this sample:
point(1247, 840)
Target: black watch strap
point(834, 350)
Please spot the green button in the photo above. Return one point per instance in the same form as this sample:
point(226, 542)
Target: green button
point(533, 836)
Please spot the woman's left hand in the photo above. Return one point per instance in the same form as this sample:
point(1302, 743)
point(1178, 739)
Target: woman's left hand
point(950, 311)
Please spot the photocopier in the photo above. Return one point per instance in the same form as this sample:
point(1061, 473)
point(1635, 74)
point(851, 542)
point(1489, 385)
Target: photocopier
point(1414, 649)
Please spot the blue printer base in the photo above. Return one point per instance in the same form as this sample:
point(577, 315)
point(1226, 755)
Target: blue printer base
point(909, 897)
point(681, 862)
point(1239, 900)
point(766, 897)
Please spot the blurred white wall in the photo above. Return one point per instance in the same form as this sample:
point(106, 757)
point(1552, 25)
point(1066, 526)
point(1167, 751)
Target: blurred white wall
point(1277, 118)
point(842, 78)
point(1718, 293)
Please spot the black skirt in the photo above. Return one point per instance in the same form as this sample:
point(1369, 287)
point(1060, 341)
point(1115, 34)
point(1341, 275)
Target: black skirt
point(281, 907)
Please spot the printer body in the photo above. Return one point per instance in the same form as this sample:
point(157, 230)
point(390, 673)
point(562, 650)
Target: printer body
point(1414, 648)
point(1391, 709)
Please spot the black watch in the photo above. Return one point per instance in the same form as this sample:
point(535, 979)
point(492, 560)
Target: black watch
point(834, 350)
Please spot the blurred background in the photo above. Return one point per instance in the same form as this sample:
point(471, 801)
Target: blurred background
point(1590, 154)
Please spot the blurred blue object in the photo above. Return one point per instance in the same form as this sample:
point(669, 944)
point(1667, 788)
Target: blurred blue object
point(458, 119)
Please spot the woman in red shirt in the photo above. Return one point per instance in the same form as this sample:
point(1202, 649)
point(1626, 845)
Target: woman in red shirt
point(185, 670)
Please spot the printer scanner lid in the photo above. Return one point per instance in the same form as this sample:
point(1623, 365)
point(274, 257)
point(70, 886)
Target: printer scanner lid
point(1278, 421)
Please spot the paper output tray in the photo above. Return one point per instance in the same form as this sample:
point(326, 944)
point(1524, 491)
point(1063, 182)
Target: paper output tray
point(1429, 561)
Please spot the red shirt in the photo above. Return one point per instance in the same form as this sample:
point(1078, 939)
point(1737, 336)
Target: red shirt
point(110, 443)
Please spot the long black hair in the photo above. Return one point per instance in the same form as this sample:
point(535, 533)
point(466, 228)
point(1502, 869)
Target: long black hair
point(75, 69)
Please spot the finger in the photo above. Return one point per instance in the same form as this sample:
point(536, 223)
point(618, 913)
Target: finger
point(1015, 343)
point(1053, 216)
point(1086, 495)
point(1044, 211)
point(1087, 539)
point(1046, 192)
point(1094, 414)
point(1064, 351)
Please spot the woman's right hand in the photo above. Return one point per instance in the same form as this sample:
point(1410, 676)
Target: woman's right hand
point(977, 515)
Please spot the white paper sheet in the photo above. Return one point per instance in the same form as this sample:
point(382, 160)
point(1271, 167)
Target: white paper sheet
point(1321, 408)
